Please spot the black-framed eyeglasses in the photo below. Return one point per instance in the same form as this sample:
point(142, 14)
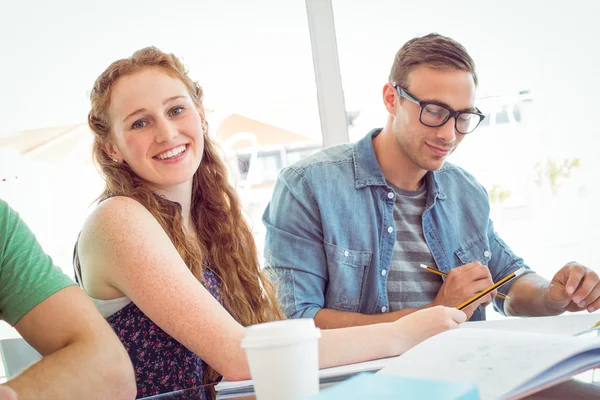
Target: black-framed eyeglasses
point(433, 114)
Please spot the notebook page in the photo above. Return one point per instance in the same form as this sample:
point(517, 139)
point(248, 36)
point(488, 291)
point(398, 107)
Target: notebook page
point(496, 361)
point(559, 325)
point(562, 372)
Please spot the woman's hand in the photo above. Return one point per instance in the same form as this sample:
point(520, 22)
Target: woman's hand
point(420, 325)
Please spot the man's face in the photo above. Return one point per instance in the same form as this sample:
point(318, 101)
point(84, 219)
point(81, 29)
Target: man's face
point(427, 148)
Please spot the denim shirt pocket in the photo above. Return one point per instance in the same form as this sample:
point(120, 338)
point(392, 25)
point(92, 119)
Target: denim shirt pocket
point(474, 250)
point(346, 268)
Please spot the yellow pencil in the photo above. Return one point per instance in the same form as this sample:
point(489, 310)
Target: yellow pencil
point(593, 328)
point(440, 273)
point(496, 285)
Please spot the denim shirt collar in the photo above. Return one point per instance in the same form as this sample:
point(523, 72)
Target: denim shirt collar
point(367, 171)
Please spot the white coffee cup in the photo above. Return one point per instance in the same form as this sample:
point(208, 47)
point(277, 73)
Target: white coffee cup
point(284, 358)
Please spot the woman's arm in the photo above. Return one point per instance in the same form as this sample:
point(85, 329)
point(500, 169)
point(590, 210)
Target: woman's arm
point(124, 247)
point(370, 342)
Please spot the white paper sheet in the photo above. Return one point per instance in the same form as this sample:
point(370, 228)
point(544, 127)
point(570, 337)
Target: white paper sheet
point(497, 361)
point(560, 325)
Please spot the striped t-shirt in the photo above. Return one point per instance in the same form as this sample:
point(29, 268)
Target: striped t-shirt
point(408, 285)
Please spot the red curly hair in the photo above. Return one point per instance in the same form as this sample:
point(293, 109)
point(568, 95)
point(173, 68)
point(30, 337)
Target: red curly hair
point(224, 241)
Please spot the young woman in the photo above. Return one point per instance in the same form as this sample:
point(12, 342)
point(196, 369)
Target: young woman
point(167, 255)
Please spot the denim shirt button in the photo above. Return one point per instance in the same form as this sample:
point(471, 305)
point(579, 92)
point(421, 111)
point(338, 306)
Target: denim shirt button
point(346, 254)
point(390, 195)
point(383, 272)
point(383, 309)
point(486, 254)
point(390, 229)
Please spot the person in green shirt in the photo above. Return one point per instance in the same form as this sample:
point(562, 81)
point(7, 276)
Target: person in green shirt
point(82, 357)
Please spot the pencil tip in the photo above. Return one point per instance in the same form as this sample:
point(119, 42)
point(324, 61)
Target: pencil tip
point(422, 265)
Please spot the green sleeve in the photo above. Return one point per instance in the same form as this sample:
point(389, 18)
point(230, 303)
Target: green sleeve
point(27, 274)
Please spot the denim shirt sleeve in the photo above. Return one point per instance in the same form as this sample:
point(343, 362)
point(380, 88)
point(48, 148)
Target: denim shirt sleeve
point(502, 263)
point(294, 248)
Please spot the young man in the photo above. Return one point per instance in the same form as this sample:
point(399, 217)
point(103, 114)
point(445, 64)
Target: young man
point(348, 227)
point(83, 359)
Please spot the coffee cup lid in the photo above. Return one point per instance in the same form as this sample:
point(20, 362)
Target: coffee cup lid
point(280, 333)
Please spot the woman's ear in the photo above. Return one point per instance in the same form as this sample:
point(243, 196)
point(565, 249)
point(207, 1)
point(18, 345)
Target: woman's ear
point(111, 151)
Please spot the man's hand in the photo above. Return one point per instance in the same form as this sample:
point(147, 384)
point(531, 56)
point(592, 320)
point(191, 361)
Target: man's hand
point(574, 288)
point(464, 282)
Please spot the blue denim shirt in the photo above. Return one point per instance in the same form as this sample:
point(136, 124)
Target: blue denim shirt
point(331, 231)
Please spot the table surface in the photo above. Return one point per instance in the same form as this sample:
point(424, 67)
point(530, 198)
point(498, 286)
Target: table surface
point(572, 389)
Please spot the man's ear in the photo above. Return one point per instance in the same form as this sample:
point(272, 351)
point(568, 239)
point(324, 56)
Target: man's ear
point(389, 98)
point(111, 151)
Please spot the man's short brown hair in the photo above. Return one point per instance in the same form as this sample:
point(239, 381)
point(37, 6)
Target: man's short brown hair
point(433, 50)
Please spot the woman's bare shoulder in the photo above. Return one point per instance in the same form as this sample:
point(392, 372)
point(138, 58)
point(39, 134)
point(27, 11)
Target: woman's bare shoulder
point(117, 211)
point(120, 219)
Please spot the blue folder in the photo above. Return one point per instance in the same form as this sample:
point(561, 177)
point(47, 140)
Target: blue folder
point(377, 386)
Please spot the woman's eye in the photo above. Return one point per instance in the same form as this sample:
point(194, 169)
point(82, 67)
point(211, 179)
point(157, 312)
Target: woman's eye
point(177, 110)
point(139, 124)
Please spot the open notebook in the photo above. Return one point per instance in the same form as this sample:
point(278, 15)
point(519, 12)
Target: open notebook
point(504, 364)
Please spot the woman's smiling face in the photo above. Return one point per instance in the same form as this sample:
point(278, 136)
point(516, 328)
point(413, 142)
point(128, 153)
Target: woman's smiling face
point(155, 127)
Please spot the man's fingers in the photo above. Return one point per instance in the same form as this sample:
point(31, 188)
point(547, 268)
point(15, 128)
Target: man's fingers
point(595, 305)
point(479, 286)
point(592, 296)
point(489, 296)
point(486, 300)
point(469, 268)
point(466, 267)
point(576, 274)
point(590, 281)
point(478, 272)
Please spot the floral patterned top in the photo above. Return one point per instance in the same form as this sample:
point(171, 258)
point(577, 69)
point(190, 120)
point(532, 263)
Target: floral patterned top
point(161, 363)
